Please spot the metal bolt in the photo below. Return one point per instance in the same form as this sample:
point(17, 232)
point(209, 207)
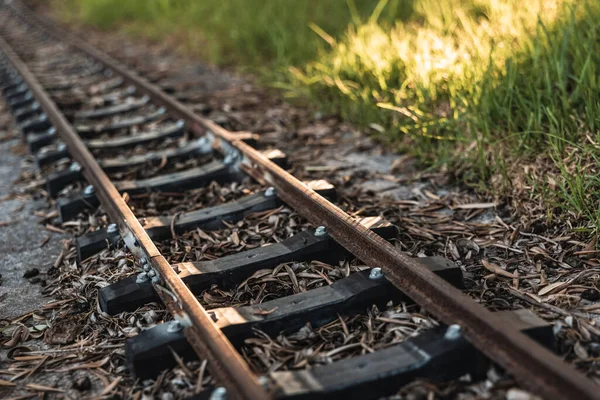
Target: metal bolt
point(229, 159)
point(89, 190)
point(264, 381)
point(219, 393)
point(112, 229)
point(156, 280)
point(270, 191)
point(75, 167)
point(141, 278)
point(174, 326)
point(453, 332)
point(320, 231)
point(376, 273)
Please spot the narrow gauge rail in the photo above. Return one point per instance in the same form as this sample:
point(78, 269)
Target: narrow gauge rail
point(29, 87)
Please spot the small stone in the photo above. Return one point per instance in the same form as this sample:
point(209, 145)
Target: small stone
point(83, 384)
point(35, 280)
point(569, 321)
point(590, 294)
point(518, 394)
point(30, 273)
point(167, 396)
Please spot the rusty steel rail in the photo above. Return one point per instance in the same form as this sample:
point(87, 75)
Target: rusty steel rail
point(207, 339)
point(532, 365)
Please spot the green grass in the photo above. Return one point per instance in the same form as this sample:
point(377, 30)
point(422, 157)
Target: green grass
point(480, 86)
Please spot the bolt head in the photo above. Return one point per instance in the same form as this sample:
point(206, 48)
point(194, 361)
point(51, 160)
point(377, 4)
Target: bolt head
point(112, 229)
point(229, 159)
point(453, 332)
point(270, 192)
point(264, 381)
point(155, 280)
point(376, 273)
point(219, 393)
point(141, 278)
point(75, 167)
point(89, 190)
point(320, 231)
point(174, 326)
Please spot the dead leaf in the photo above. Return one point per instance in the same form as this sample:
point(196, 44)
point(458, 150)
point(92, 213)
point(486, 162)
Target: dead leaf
point(473, 206)
point(496, 269)
point(554, 287)
point(41, 388)
point(20, 334)
point(63, 331)
point(260, 311)
point(580, 351)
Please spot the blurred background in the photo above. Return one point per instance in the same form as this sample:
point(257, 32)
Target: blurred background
point(472, 85)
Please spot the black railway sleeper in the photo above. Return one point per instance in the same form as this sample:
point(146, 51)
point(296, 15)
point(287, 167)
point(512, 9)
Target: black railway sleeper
point(27, 112)
point(21, 91)
point(72, 105)
point(15, 91)
point(10, 83)
point(348, 296)
point(87, 131)
point(170, 130)
point(69, 208)
point(59, 180)
point(96, 241)
point(21, 101)
point(37, 123)
point(150, 352)
point(195, 148)
point(210, 218)
point(47, 156)
point(38, 140)
point(131, 293)
point(213, 218)
point(440, 354)
point(174, 182)
point(109, 111)
point(80, 72)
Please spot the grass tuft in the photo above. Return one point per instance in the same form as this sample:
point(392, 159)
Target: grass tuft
point(482, 86)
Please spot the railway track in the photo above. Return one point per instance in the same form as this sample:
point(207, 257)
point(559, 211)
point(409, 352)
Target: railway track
point(106, 137)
